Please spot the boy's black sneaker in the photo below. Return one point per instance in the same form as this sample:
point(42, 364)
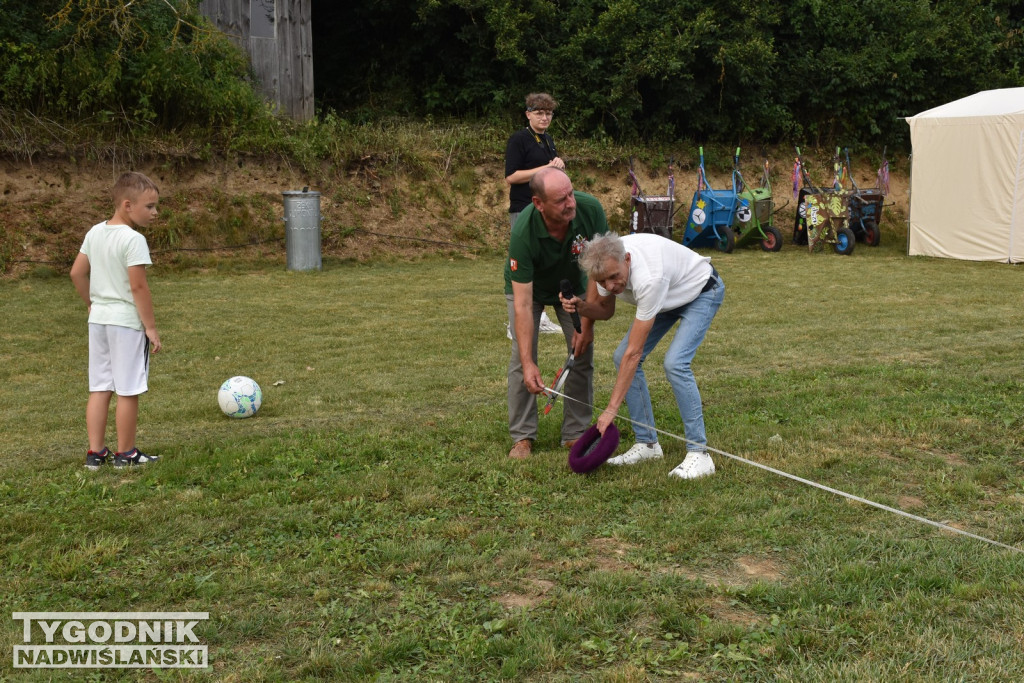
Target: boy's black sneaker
point(94, 460)
point(133, 458)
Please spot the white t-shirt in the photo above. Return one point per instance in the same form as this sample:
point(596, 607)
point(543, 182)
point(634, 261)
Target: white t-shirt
point(662, 274)
point(111, 250)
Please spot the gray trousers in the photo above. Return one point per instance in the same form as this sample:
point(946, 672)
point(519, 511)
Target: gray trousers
point(522, 405)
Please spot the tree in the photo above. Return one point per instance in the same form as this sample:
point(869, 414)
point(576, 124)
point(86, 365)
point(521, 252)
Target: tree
point(155, 62)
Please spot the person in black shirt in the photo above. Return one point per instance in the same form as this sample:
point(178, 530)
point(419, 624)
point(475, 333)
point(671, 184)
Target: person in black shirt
point(529, 150)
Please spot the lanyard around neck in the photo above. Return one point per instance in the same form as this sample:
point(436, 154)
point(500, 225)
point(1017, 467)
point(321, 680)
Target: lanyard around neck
point(542, 139)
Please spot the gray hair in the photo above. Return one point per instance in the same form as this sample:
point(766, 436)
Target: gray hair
point(598, 251)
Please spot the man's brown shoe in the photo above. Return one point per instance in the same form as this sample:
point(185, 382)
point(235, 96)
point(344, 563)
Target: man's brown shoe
point(521, 451)
point(570, 443)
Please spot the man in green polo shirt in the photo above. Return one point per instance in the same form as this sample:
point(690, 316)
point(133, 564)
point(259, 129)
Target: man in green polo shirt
point(543, 250)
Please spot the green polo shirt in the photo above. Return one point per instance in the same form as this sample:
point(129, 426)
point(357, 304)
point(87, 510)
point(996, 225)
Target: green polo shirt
point(535, 256)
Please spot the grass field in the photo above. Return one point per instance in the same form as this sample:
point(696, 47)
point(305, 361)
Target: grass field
point(367, 524)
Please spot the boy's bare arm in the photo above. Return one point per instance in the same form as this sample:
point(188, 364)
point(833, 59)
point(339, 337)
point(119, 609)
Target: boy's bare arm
point(80, 277)
point(144, 303)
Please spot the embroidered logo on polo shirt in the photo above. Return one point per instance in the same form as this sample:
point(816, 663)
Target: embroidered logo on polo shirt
point(577, 245)
point(513, 264)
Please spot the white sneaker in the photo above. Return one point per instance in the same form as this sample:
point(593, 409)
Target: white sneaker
point(638, 453)
point(548, 326)
point(697, 464)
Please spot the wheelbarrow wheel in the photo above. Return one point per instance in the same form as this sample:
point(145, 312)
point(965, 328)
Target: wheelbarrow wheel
point(845, 241)
point(772, 239)
point(872, 236)
point(726, 240)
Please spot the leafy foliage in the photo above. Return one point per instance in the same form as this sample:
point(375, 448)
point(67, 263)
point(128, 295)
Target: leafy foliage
point(660, 69)
point(155, 62)
point(655, 70)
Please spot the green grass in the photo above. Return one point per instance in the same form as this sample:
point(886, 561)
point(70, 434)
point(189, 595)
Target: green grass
point(367, 524)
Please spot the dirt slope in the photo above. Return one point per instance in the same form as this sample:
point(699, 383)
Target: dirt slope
point(47, 205)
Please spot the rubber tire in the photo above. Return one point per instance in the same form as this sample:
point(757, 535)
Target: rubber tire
point(728, 240)
point(591, 450)
point(772, 240)
point(845, 241)
point(872, 235)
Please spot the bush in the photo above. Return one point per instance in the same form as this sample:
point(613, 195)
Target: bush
point(158, 63)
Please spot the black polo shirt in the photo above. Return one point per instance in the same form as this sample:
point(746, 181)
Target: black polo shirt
point(525, 150)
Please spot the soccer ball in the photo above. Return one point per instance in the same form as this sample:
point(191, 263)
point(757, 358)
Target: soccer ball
point(240, 397)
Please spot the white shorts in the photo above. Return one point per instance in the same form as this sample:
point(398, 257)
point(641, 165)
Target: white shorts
point(118, 360)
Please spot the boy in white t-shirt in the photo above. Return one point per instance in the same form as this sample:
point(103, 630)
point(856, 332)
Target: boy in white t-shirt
point(668, 283)
point(110, 276)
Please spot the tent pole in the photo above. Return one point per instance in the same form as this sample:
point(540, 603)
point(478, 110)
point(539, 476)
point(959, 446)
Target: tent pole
point(1017, 189)
point(910, 194)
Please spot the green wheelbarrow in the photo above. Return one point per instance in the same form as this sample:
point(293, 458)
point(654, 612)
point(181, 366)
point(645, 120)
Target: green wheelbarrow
point(754, 220)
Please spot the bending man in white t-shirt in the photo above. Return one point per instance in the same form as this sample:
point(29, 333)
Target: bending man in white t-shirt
point(667, 282)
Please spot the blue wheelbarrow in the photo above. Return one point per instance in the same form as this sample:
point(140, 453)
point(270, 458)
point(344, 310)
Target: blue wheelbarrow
point(712, 212)
point(866, 204)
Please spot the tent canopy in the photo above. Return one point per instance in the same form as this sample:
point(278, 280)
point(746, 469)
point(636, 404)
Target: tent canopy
point(967, 179)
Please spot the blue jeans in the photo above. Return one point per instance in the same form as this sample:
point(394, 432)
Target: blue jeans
point(694, 320)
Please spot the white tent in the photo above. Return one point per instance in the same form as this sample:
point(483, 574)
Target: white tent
point(967, 178)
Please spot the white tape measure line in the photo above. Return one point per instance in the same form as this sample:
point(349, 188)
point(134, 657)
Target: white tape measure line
point(808, 482)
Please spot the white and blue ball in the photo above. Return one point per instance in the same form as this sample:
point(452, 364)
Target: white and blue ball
point(240, 396)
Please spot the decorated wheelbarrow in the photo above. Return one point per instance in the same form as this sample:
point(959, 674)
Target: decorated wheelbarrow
point(653, 214)
point(712, 212)
point(822, 214)
point(755, 214)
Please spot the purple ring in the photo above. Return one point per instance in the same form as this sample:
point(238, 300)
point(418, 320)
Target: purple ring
point(591, 450)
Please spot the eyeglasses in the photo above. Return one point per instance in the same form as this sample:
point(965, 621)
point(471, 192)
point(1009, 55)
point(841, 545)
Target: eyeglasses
point(544, 113)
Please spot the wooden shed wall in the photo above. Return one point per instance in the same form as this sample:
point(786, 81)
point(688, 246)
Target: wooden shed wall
point(283, 64)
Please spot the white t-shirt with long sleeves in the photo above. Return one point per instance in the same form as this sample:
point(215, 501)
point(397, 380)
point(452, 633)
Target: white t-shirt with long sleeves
point(111, 250)
point(662, 274)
